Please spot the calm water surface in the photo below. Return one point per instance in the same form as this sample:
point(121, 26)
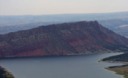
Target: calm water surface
point(61, 67)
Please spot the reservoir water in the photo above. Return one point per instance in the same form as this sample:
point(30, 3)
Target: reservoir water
point(87, 66)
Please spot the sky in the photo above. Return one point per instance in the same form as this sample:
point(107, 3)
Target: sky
point(41, 7)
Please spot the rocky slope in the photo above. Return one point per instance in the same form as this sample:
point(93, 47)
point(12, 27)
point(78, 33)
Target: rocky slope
point(61, 39)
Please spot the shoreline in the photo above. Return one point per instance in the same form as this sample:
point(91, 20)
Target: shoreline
point(49, 56)
point(120, 69)
point(60, 56)
point(67, 55)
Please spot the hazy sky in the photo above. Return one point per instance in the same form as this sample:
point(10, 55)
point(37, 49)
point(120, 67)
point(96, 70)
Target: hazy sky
point(35, 7)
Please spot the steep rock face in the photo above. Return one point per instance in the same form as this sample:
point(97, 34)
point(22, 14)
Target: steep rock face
point(61, 39)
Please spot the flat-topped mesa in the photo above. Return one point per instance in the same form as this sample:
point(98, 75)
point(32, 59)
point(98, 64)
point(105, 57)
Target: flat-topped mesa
point(62, 39)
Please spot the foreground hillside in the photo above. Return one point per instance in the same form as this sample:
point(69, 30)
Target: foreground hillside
point(62, 39)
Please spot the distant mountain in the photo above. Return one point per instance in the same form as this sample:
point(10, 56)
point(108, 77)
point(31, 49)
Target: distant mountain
point(119, 26)
point(59, 18)
point(123, 30)
point(110, 20)
point(62, 39)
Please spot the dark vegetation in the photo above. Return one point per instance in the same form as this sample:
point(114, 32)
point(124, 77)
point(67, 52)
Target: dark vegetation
point(5, 74)
point(61, 39)
point(122, 58)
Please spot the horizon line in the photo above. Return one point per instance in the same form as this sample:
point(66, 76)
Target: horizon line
point(66, 13)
